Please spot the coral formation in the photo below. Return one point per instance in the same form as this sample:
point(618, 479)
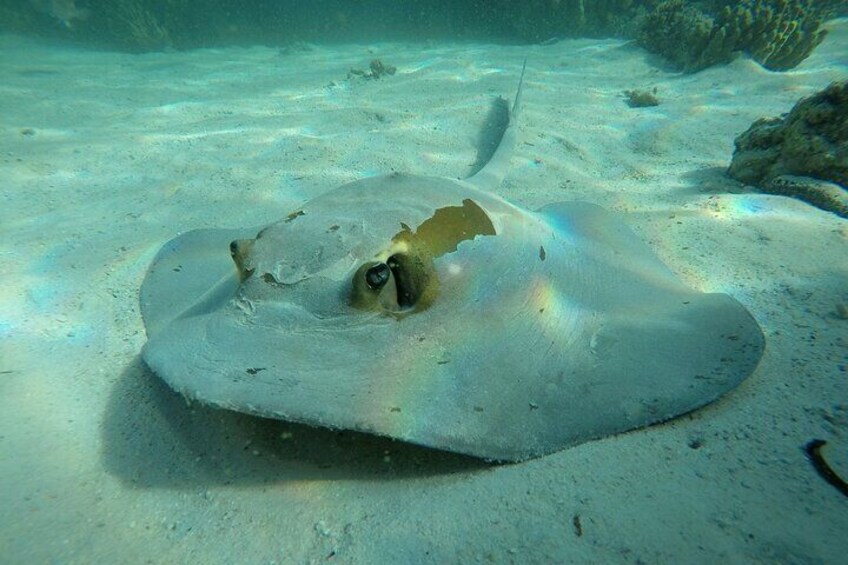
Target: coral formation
point(686, 36)
point(377, 69)
point(642, 98)
point(778, 34)
point(694, 34)
point(804, 153)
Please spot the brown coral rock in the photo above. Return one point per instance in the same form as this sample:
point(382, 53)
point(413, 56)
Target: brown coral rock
point(793, 154)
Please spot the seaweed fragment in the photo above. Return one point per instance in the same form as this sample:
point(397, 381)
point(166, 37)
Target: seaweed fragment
point(822, 467)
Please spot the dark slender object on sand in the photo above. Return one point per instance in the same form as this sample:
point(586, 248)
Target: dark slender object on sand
point(813, 449)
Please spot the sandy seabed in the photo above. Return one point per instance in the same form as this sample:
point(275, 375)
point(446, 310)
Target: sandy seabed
point(106, 156)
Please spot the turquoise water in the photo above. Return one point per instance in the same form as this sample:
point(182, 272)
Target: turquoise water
point(126, 123)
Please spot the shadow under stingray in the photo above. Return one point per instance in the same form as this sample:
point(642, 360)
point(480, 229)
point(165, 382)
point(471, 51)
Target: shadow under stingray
point(153, 438)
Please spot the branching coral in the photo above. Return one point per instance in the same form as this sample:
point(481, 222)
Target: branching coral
point(778, 34)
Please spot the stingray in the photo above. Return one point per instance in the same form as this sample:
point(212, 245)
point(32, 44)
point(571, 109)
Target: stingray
point(432, 311)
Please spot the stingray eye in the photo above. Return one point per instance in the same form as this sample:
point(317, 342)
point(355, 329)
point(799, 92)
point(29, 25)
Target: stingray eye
point(377, 276)
point(404, 283)
point(374, 287)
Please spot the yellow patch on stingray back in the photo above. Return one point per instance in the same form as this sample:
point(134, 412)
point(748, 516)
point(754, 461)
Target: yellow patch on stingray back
point(414, 285)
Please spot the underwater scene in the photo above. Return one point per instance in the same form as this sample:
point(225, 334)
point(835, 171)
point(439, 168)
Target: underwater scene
point(554, 281)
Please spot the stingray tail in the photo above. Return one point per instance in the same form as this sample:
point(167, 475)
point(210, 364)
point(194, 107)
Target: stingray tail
point(493, 172)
